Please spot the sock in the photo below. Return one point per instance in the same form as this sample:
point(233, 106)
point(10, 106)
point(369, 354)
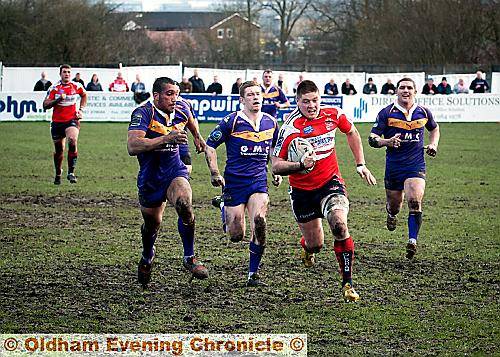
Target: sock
point(186, 231)
point(256, 252)
point(72, 157)
point(303, 244)
point(344, 251)
point(58, 159)
point(223, 217)
point(414, 223)
point(148, 241)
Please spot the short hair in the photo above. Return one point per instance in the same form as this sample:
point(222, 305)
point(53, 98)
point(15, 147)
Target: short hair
point(306, 86)
point(162, 81)
point(63, 66)
point(406, 79)
point(246, 85)
point(267, 71)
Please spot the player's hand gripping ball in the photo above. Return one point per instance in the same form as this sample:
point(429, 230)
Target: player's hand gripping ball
point(298, 150)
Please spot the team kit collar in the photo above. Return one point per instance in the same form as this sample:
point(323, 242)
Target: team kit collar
point(256, 126)
point(408, 114)
point(162, 113)
point(268, 89)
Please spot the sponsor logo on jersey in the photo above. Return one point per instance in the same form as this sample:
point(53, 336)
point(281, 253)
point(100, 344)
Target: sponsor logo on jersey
point(216, 135)
point(308, 129)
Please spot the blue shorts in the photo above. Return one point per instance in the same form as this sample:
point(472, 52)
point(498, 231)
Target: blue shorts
point(153, 194)
point(395, 180)
point(185, 154)
point(237, 195)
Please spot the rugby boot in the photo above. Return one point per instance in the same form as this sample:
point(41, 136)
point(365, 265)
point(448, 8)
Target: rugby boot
point(72, 178)
point(57, 180)
point(197, 269)
point(254, 281)
point(144, 270)
point(349, 294)
point(392, 222)
point(411, 250)
point(307, 258)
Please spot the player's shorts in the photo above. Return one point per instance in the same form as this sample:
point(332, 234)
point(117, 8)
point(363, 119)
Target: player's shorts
point(237, 195)
point(153, 194)
point(396, 180)
point(185, 154)
point(309, 205)
point(58, 130)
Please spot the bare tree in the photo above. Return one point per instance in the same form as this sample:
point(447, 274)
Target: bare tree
point(288, 12)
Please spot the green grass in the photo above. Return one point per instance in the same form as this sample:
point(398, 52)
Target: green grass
point(69, 253)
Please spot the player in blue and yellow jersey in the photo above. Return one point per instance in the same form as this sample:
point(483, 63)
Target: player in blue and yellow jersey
point(273, 96)
point(154, 135)
point(249, 136)
point(402, 126)
point(184, 109)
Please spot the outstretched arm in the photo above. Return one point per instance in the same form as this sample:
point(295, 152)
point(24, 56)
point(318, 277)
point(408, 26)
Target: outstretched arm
point(211, 157)
point(434, 135)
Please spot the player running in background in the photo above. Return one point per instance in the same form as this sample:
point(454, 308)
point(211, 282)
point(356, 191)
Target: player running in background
point(320, 193)
point(154, 138)
point(274, 98)
point(184, 109)
point(249, 136)
point(402, 126)
point(63, 97)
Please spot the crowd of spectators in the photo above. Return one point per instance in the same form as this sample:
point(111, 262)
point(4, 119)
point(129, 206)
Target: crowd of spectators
point(195, 84)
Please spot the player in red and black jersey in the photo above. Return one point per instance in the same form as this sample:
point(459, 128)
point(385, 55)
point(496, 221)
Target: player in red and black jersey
point(63, 97)
point(321, 192)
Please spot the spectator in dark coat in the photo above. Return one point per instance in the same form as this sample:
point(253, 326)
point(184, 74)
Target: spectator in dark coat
point(215, 88)
point(479, 85)
point(43, 83)
point(388, 88)
point(94, 85)
point(197, 82)
point(444, 87)
point(348, 88)
point(429, 87)
point(235, 89)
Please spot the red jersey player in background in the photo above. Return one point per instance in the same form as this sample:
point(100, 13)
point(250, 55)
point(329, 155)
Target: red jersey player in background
point(63, 97)
point(321, 192)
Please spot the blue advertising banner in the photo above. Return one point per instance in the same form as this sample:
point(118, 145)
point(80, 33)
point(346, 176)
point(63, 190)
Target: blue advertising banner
point(213, 108)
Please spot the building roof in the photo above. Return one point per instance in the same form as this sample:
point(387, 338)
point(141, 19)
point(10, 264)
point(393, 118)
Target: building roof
point(167, 21)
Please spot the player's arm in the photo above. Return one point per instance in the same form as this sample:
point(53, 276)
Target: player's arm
point(49, 102)
point(211, 157)
point(283, 167)
point(431, 148)
point(83, 104)
point(137, 142)
point(376, 141)
point(194, 128)
point(356, 146)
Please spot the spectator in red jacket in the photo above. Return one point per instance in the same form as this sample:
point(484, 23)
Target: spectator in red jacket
point(119, 84)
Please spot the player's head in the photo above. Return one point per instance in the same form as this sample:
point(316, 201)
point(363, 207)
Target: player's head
point(406, 90)
point(308, 99)
point(251, 96)
point(165, 93)
point(267, 77)
point(65, 73)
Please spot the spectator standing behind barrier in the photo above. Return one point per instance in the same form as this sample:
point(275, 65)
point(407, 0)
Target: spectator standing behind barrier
point(388, 88)
point(215, 88)
point(119, 84)
point(94, 85)
point(43, 83)
point(235, 89)
point(139, 89)
point(79, 79)
point(301, 78)
point(460, 87)
point(444, 87)
point(186, 86)
point(429, 87)
point(370, 87)
point(331, 88)
point(197, 82)
point(281, 83)
point(479, 85)
point(348, 88)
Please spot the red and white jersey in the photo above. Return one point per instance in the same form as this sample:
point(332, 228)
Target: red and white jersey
point(118, 85)
point(320, 132)
point(65, 110)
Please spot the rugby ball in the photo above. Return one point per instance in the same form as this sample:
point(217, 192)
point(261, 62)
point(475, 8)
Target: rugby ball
point(297, 148)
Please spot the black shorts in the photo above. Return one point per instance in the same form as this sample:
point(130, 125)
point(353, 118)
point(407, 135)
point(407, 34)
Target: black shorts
point(396, 180)
point(309, 205)
point(58, 130)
